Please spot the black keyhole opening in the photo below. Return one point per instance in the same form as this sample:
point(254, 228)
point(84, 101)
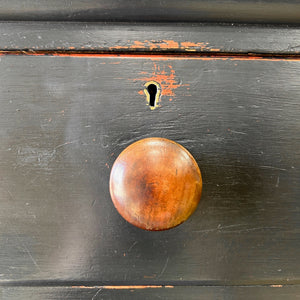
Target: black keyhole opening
point(152, 90)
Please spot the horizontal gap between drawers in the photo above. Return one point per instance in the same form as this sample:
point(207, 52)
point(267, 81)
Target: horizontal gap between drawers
point(140, 285)
point(154, 55)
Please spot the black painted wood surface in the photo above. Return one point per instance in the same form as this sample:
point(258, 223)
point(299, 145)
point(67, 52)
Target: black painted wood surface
point(177, 293)
point(245, 11)
point(151, 38)
point(63, 122)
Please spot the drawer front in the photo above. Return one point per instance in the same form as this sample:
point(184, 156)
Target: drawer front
point(64, 120)
point(219, 11)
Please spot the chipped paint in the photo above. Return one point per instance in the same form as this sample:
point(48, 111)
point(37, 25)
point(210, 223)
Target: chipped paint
point(190, 46)
point(163, 45)
point(165, 76)
point(277, 285)
point(151, 45)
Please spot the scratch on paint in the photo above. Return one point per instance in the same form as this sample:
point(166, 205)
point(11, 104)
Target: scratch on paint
point(30, 256)
point(132, 246)
point(277, 183)
point(164, 268)
point(64, 144)
point(272, 168)
point(26, 250)
point(237, 132)
point(94, 297)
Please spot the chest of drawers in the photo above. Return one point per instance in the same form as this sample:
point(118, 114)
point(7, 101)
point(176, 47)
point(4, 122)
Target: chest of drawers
point(72, 99)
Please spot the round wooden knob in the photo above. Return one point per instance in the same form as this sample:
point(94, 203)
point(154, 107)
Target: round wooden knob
point(155, 184)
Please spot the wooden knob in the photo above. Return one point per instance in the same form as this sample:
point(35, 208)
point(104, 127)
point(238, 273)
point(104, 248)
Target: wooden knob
point(155, 184)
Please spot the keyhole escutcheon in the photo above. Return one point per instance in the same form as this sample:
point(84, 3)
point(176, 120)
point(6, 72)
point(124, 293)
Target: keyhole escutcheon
point(152, 91)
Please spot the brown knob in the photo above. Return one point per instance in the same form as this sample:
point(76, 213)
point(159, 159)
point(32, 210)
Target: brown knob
point(155, 184)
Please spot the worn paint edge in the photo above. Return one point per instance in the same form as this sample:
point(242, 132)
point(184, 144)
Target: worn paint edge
point(122, 287)
point(158, 56)
point(125, 285)
point(164, 45)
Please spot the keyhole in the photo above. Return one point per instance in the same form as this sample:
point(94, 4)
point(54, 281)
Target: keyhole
point(152, 90)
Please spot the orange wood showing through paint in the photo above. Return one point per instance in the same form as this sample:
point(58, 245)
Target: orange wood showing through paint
point(155, 184)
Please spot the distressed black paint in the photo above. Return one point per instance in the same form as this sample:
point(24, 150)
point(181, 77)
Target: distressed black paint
point(152, 37)
point(250, 11)
point(177, 293)
point(64, 120)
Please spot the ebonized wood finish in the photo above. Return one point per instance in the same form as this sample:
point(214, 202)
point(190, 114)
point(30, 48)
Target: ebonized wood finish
point(64, 120)
point(150, 38)
point(177, 293)
point(245, 11)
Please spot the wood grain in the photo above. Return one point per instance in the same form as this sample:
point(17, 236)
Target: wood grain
point(155, 184)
